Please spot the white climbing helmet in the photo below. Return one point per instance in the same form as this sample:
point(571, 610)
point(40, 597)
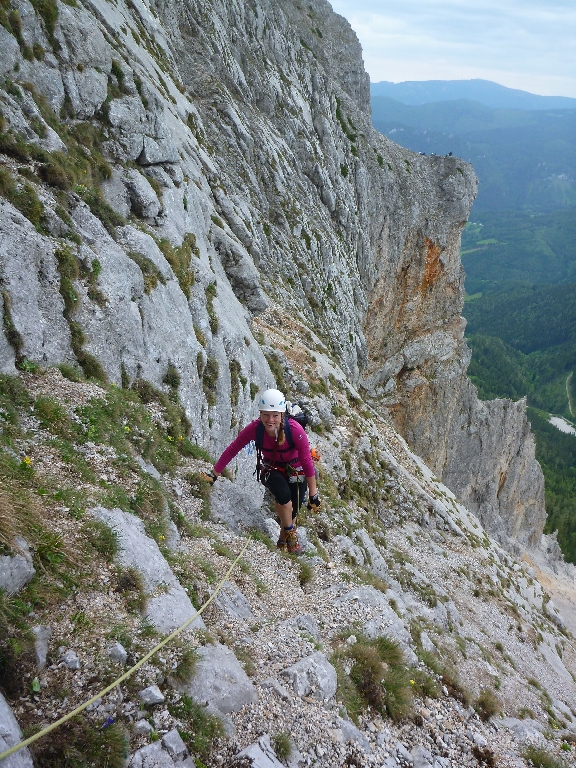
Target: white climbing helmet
point(272, 400)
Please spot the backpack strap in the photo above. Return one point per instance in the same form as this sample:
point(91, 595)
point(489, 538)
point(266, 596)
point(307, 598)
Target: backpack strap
point(288, 431)
point(259, 442)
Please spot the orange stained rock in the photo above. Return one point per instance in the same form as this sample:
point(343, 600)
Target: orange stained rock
point(433, 266)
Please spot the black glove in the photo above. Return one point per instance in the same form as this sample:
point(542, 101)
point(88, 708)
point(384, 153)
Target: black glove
point(314, 503)
point(209, 477)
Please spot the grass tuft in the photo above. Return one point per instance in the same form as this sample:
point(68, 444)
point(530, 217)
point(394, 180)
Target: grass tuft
point(282, 744)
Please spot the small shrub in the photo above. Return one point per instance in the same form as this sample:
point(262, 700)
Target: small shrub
point(487, 704)
point(79, 743)
point(282, 745)
point(541, 758)
point(71, 372)
point(131, 586)
point(23, 198)
point(200, 729)
point(211, 293)
point(172, 377)
point(102, 538)
point(185, 667)
point(150, 272)
point(179, 258)
point(306, 574)
point(210, 380)
point(53, 417)
point(200, 488)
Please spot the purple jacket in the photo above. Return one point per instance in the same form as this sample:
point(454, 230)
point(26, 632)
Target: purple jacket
point(298, 456)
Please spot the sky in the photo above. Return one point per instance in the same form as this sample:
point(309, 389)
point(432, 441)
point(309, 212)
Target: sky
point(525, 44)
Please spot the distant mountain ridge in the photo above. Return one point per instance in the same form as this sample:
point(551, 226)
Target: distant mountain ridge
point(486, 92)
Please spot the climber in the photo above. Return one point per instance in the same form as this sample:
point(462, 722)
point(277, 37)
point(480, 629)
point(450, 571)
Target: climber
point(284, 465)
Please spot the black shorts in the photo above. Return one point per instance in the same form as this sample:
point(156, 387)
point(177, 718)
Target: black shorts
point(283, 491)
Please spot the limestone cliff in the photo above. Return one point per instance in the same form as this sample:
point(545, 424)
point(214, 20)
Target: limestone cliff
point(239, 171)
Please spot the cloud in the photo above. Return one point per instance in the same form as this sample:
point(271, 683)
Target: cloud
point(528, 44)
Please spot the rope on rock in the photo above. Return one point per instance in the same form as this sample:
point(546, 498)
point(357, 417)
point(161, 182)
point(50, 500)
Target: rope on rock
point(126, 675)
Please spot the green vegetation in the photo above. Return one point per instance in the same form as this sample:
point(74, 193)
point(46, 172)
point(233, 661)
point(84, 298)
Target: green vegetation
point(150, 272)
point(179, 258)
point(379, 677)
point(487, 704)
point(542, 758)
point(200, 728)
point(80, 744)
point(282, 745)
point(23, 197)
point(507, 249)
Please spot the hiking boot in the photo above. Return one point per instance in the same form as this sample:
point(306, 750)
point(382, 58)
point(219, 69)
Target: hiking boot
point(281, 544)
point(292, 544)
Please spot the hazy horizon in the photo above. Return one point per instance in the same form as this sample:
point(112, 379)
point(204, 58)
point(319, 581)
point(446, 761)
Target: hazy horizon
point(523, 45)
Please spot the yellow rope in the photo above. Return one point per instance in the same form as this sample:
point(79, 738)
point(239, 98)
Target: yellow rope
point(127, 674)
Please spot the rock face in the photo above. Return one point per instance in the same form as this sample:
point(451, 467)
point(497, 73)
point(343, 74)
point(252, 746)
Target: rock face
point(219, 680)
point(10, 734)
point(253, 180)
point(168, 606)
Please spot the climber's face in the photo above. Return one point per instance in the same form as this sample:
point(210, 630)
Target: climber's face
point(271, 421)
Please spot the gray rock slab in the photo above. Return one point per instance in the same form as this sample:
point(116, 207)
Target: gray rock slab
point(41, 637)
point(308, 624)
point(151, 695)
point(70, 659)
point(421, 757)
point(172, 607)
point(351, 733)
point(313, 675)
point(220, 680)
point(16, 570)
point(174, 745)
point(402, 752)
point(118, 653)
point(150, 756)
point(10, 734)
point(234, 602)
point(260, 753)
point(347, 546)
point(523, 730)
point(234, 507)
point(563, 709)
point(143, 198)
point(427, 644)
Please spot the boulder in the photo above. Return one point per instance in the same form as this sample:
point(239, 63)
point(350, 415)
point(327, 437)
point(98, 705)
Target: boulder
point(170, 609)
point(231, 600)
point(219, 679)
point(16, 570)
point(151, 756)
point(234, 507)
point(41, 637)
point(313, 675)
point(350, 732)
point(10, 734)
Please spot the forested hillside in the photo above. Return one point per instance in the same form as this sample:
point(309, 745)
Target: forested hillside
point(525, 160)
point(501, 249)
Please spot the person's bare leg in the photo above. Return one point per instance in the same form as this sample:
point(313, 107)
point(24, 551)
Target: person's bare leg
point(284, 512)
